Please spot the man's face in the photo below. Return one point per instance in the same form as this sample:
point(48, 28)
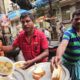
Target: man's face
point(76, 21)
point(27, 24)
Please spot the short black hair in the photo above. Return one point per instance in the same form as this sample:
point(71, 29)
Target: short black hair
point(77, 12)
point(27, 14)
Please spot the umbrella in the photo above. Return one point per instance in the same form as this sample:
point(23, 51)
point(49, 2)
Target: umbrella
point(39, 3)
point(16, 14)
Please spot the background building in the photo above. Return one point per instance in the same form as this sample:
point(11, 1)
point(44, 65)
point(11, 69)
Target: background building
point(2, 8)
point(7, 6)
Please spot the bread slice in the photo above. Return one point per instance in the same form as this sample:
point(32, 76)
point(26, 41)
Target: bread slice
point(38, 73)
point(19, 64)
point(56, 75)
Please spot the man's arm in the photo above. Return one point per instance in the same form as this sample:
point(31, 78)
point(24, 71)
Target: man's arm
point(61, 48)
point(44, 54)
point(7, 48)
point(60, 51)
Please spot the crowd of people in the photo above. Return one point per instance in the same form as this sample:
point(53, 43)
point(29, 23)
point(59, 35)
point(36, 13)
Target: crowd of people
point(34, 45)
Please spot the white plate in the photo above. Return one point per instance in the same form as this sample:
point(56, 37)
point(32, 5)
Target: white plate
point(19, 74)
point(46, 66)
point(7, 78)
point(19, 64)
point(5, 59)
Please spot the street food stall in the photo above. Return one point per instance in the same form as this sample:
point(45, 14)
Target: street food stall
point(42, 69)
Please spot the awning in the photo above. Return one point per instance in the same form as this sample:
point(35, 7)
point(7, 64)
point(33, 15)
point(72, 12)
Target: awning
point(40, 3)
point(16, 14)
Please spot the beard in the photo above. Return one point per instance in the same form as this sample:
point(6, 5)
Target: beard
point(77, 26)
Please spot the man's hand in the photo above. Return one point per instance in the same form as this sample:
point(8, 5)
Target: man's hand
point(1, 45)
point(1, 53)
point(55, 61)
point(27, 64)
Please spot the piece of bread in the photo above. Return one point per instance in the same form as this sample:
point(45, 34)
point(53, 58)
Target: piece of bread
point(19, 64)
point(37, 73)
point(56, 74)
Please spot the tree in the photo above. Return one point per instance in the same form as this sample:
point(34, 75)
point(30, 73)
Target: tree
point(24, 4)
